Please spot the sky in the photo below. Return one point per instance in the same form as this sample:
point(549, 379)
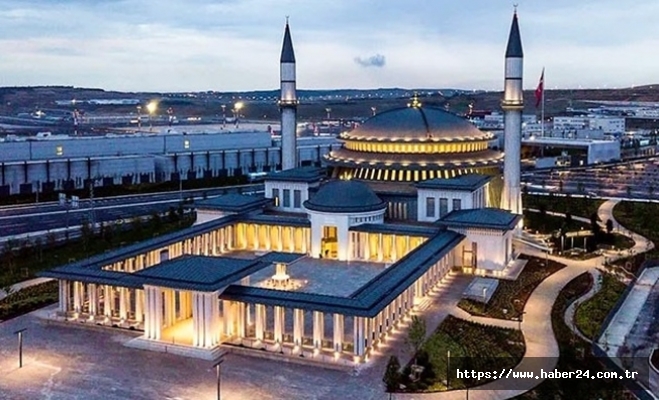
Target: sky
point(234, 45)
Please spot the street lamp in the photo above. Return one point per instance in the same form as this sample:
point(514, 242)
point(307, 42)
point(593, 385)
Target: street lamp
point(328, 111)
point(20, 346)
point(484, 299)
point(224, 114)
point(448, 369)
point(373, 109)
point(151, 107)
point(218, 369)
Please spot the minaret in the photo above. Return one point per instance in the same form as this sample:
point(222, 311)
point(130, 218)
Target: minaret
point(512, 106)
point(288, 103)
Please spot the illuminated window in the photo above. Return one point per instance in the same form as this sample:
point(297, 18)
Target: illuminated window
point(59, 150)
point(186, 144)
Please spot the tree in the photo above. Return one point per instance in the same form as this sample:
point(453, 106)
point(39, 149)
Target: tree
point(416, 334)
point(86, 234)
point(392, 374)
point(609, 226)
point(629, 191)
point(560, 186)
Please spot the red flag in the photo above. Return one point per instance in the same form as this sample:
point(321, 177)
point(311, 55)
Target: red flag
point(539, 91)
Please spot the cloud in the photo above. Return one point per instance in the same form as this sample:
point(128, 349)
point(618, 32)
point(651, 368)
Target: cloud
point(377, 60)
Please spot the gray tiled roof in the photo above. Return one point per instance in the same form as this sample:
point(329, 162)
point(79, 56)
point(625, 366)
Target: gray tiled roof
point(283, 220)
point(199, 271)
point(397, 229)
point(301, 174)
point(469, 182)
point(188, 272)
point(233, 202)
point(493, 218)
point(342, 196)
point(514, 48)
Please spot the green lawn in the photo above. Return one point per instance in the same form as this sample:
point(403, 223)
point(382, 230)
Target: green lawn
point(512, 295)
point(575, 355)
point(28, 299)
point(591, 314)
point(471, 346)
point(23, 260)
point(642, 218)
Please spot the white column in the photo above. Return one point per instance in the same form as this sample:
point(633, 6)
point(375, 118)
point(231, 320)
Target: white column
point(318, 329)
point(338, 332)
point(108, 301)
point(279, 324)
point(280, 244)
point(139, 305)
point(259, 311)
point(380, 248)
point(208, 319)
point(123, 313)
point(229, 318)
point(157, 313)
point(64, 295)
point(77, 304)
point(298, 326)
point(240, 310)
point(197, 324)
point(93, 299)
point(358, 336)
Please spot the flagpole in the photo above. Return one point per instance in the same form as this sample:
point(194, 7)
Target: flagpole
point(542, 109)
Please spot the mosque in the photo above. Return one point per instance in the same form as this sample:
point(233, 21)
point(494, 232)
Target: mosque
point(327, 261)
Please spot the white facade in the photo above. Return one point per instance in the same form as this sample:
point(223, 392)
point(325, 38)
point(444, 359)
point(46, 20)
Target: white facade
point(605, 123)
point(492, 248)
point(342, 223)
point(433, 204)
point(288, 196)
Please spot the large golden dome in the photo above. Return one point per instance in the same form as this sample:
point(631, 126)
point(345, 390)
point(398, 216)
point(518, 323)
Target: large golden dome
point(412, 144)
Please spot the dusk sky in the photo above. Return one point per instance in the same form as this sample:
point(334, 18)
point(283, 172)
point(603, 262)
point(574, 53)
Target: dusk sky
point(225, 45)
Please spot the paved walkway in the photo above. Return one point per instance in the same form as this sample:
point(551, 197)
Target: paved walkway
point(541, 346)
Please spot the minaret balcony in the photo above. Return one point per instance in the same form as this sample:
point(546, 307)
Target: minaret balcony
point(512, 104)
point(288, 102)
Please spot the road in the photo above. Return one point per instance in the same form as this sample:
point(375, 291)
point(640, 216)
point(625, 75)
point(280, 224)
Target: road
point(25, 219)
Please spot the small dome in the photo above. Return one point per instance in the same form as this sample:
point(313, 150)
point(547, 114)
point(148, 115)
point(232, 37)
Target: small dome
point(341, 196)
point(416, 124)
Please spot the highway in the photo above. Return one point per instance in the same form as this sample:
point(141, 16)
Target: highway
point(25, 219)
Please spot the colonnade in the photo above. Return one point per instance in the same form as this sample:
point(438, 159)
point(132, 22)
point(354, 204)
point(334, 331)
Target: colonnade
point(367, 332)
point(382, 247)
point(104, 302)
point(212, 243)
point(250, 236)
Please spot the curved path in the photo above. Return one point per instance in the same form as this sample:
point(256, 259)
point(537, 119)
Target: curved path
point(541, 346)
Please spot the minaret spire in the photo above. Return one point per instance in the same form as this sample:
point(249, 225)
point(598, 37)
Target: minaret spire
point(288, 102)
point(512, 105)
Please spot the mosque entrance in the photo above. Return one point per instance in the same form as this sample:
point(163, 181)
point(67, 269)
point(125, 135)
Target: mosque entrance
point(329, 247)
